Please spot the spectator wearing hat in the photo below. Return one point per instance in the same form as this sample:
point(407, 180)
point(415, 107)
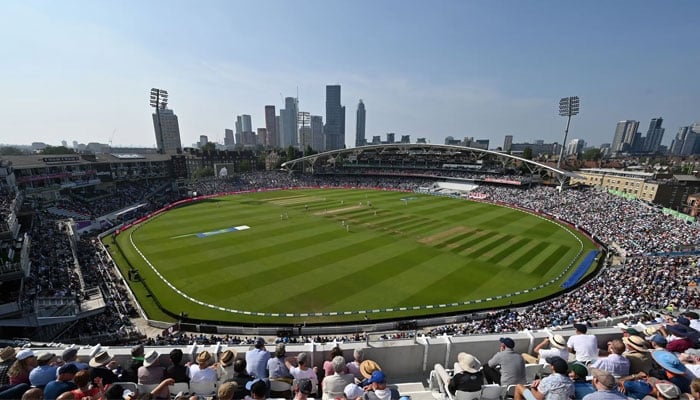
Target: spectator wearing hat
point(366, 369)
point(256, 359)
point(615, 362)
point(557, 348)
point(674, 369)
point(377, 388)
point(224, 368)
point(334, 385)
point(131, 372)
point(635, 386)
point(25, 361)
point(579, 373)
point(226, 391)
point(637, 353)
point(70, 356)
point(353, 391)
point(680, 336)
point(200, 371)
point(658, 342)
point(303, 388)
point(302, 370)
point(151, 372)
point(582, 344)
point(506, 367)
point(7, 357)
point(470, 377)
point(354, 366)
point(44, 372)
point(177, 371)
point(101, 367)
point(604, 383)
point(667, 391)
point(557, 386)
point(241, 377)
point(64, 383)
point(277, 366)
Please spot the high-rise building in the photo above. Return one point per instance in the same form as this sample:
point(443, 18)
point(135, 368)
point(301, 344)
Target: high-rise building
point(203, 140)
point(508, 143)
point(304, 133)
point(261, 138)
point(575, 147)
point(273, 139)
point(167, 131)
point(625, 133)
point(228, 138)
point(288, 122)
point(687, 141)
point(360, 126)
point(334, 130)
point(317, 132)
point(655, 134)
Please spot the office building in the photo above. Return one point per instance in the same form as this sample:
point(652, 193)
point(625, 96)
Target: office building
point(203, 140)
point(288, 123)
point(575, 147)
point(624, 138)
point(167, 130)
point(229, 141)
point(655, 134)
point(334, 130)
point(687, 141)
point(317, 132)
point(273, 139)
point(507, 143)
point(360, 125)
point(261, 138)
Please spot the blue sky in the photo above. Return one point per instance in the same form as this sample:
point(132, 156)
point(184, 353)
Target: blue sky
point(79, 70)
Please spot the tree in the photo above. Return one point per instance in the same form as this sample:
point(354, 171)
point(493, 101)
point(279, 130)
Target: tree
point(10, 151)
point(291, 153)
point(592, 155)
point(527, 153)
point(203, 172)
point(57, 150)
point(209, 146)
point(244, 165)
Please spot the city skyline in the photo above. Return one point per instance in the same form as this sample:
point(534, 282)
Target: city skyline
point(81, 71)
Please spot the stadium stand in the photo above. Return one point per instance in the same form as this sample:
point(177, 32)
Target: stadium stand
point(61, 284)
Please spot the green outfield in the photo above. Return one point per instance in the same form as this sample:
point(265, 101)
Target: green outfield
point(332, 255)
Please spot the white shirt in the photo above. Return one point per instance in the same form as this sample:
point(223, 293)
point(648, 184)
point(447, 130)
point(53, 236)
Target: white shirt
point(309, 373)
point(201, 375)
point(585, 346)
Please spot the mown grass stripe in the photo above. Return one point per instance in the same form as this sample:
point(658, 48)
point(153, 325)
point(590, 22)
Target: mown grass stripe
point(525, 259)
point(490, 245)
point(510, 249)
point(543, 268)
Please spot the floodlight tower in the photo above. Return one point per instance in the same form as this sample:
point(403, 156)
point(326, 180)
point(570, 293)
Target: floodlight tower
point(159, 101)
point(568, 107)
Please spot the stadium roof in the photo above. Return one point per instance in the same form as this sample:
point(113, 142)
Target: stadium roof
point(427, 149)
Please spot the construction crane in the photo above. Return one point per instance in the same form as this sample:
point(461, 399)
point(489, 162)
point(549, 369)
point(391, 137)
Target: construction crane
point(111, 137)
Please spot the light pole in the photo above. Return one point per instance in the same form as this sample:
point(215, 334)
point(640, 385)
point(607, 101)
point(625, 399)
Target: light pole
point(568, 107)
point(159, 101)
